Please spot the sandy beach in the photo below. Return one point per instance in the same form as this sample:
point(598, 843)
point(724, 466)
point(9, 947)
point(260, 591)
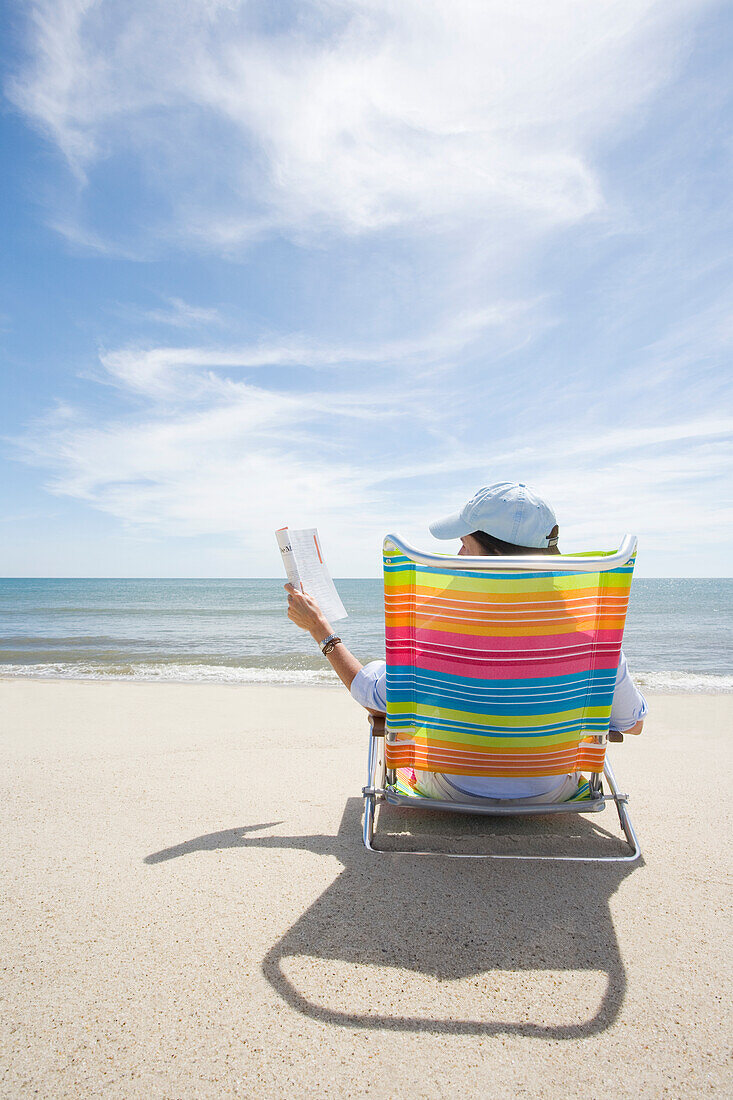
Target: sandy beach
point(188, 911)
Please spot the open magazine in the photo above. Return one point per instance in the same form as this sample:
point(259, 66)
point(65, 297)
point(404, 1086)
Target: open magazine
point(307, 570)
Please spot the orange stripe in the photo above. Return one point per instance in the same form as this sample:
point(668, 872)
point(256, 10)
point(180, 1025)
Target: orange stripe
point(507, 599)
point(474, 626)
point(487, 616)
point(511, 612)
point(447, 747)
point(476, 759)
point(508, 614)
point(471, 596)
point(591, 754)
point(421, 741)
point(499, 757)
point(588, 758)
point(439, 762)
point(497, 773)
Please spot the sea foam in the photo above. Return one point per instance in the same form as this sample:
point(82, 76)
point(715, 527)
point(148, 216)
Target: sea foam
point(668, 683)
point(171, 673)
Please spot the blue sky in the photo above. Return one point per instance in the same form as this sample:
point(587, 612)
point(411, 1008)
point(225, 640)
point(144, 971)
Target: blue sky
point(340, 264)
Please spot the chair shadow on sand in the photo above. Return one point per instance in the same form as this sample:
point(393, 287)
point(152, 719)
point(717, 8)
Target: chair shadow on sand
point(498, 923)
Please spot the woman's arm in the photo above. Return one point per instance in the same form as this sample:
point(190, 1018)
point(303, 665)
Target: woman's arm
point(306, 614)
point(628, 708)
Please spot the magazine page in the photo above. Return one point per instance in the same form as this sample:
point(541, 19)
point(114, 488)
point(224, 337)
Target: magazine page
point(302, 555)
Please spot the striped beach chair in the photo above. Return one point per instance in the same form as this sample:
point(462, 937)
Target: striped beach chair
point(500, 666)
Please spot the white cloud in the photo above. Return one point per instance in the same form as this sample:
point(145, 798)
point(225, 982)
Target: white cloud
point(180, 314)
point(350, 117)
point(158, 370)
point(202, 453)
point(86, 241)
point(232, 466)
point(667, 483)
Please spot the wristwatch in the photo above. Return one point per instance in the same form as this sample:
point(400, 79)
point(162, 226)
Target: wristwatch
point(329, 644)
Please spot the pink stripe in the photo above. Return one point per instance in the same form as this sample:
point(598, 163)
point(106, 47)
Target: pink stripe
point(469, 642)
point(496, 656)
point(508, 670)
point(532, 759)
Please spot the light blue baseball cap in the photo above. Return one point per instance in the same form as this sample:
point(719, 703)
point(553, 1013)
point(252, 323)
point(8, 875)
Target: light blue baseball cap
point(510, 511)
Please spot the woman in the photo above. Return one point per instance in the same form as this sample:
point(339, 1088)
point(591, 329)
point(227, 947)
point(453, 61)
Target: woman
point(506, 518)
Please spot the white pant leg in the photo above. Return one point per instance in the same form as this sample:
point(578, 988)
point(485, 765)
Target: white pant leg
point(438, 786)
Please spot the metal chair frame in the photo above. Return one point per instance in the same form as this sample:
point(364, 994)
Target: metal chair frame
point(379, 789)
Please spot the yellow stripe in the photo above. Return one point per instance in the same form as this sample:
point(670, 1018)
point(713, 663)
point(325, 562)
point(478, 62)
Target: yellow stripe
point(510, 722)
point(546, 588)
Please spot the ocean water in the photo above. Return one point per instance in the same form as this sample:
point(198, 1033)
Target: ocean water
point(679, 633)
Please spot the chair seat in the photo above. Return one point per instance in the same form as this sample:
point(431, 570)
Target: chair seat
point(404, 787)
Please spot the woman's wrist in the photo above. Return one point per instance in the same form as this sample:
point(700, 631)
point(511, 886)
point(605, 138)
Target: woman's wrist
point(321, 630)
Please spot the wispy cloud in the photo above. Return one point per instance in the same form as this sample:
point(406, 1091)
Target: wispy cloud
point(238, 465)
point(180, 314)
point(201, 450)
point(157, 370)
point(669, 483)
point(219, 455)
point(346, 117)
point(84, 240)
point(703, 340)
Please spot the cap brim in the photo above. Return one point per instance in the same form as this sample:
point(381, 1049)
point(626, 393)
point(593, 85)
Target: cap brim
point(452, 527)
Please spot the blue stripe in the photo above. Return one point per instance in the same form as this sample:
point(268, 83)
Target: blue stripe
point(536, 696)
point(508, 707)
point(409, 566)
point(398, 560)
point(556, 700)
point(530, 683)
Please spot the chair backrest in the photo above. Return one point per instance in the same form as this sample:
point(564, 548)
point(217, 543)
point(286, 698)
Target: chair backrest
point(502, 666)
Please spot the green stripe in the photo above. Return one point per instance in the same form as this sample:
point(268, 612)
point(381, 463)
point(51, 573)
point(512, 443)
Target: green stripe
point(620, 582)
point(507, 721)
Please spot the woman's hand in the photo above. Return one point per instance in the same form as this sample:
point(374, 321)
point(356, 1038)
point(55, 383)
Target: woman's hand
point(306, 614)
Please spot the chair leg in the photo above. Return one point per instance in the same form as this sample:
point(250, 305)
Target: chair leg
point(623, 813)
point(369, 805)
point(370, 798)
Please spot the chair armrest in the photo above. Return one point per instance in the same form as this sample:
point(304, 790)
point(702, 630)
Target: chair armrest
point(376, 721)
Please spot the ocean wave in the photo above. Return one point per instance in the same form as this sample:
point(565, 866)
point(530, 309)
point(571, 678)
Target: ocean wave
point(665, 682)
point(683, 683)
point(171, 673)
